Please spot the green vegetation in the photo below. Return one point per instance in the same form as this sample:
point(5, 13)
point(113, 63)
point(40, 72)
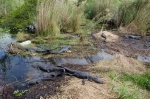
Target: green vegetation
point(20, 16)
point(135, 15)
point(52, 17)
point(61, 16)
point(123, 89)
point(141, 80)
point(19, 93)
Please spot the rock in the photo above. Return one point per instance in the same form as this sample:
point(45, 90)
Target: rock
point(25, 43)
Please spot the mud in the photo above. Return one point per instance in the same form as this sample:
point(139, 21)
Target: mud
point(129, 47)
point(20, 69)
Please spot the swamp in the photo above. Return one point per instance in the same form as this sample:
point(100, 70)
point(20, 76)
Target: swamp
point(74, 49)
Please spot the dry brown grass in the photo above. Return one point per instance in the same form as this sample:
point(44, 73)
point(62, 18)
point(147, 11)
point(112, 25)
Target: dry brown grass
point(120, 64)
point(75, 90)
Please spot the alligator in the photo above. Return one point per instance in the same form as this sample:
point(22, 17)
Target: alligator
point(82, 75)
point(45, 77)
point(62, 49)
point(133, 37)
point(53, 72)
point(147, 45)
point(49, 69)
point(35, 49)
point(45, 50)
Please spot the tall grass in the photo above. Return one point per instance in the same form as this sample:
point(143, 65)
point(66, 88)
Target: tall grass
point(57, 15)
point(135, 15)
point(99, 8)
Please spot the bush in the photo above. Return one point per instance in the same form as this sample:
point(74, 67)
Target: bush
point(100, 8)
point(21, 16)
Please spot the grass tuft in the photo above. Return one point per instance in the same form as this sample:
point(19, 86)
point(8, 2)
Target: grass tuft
point(141, 80)
point(21, 36)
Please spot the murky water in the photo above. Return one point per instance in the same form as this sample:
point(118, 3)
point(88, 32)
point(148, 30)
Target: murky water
point(17, 68)
point(144, 58)
point(84, 61)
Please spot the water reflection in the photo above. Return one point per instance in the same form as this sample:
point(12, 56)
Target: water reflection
point(6, 39)
point(13, 68)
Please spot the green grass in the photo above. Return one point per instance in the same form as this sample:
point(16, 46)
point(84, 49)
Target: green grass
point(141, 80)
point(124, 92)
point(123, 88)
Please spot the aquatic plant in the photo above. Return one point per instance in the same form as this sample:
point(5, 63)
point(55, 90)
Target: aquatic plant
point(19, 93)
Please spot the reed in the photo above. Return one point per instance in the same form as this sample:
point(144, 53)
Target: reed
point(54, 16)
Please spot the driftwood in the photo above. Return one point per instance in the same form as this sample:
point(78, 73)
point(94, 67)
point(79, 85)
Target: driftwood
point(11, 49)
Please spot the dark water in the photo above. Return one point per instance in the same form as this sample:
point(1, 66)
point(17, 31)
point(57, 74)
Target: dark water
point(18, 69)
point(144, 58)
point(84, 61)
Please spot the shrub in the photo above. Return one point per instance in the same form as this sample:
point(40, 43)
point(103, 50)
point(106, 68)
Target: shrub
point(100, 8)
point(135, 15)
point(21, 16)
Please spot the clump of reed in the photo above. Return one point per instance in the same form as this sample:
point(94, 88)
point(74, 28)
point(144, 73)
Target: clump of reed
point(54, 16)
point(134, 15)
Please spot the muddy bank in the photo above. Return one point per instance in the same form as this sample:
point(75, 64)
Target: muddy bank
point(117, 43)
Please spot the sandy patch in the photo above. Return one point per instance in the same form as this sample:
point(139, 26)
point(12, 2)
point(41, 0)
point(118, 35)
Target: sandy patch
point(110, 36)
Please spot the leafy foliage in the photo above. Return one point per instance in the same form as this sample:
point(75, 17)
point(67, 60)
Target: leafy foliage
point(19, 93)
point(22, 16)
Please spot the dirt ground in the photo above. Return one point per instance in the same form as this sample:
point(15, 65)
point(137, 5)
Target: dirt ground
point(117, 43)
